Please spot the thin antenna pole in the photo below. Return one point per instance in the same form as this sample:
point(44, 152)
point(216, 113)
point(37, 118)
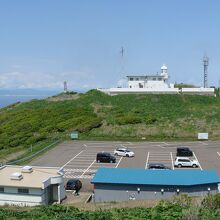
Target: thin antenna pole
point(65, 86)
point(205, 65)
point(122, 52)
point(219, 87)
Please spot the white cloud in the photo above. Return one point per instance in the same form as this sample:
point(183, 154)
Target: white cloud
point(84, 79)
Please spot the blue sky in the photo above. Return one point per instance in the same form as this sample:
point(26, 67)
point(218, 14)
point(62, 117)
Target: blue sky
point(45, 42)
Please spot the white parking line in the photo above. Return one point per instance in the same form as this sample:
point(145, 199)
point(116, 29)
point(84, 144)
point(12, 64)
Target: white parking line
point(171, 155)
point(158, 145)
point(148, 154)
point(118, 162)
point(198, 161)
point(218, 154)
point(72, 159)
point(88, 168)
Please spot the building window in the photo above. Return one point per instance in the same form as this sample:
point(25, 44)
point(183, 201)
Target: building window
point(131, 79)
point(137, 79)
point(23, 190)
point(154, 79)
point(2, 189)
point(140, 85)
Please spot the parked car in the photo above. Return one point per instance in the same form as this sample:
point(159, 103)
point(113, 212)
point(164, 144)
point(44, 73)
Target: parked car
point(184, 152)
point(157, 166)
point(123, 151)
point(185, 162)
point(73, 184)
point(105, 157)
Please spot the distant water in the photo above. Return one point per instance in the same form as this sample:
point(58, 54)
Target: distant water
point(10, 99)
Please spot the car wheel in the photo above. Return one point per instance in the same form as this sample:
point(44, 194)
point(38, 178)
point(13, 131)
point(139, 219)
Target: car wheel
point(194, 166)
point(98, 161)
point(111, 161)
point(179, 165)
point(127, 155)
point(116, 154)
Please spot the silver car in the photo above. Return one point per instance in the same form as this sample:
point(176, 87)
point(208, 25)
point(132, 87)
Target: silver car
point(124, 152)
point(185, 162)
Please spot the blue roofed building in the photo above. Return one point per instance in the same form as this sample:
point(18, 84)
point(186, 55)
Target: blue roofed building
point(121, 184)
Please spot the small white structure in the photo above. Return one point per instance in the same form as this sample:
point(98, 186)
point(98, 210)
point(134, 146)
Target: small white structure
point(154, 84)
point(203, 136)
point(30, 186)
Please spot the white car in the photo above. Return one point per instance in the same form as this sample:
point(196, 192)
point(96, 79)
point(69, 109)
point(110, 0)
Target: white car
point(185, 162)
point(122, 151)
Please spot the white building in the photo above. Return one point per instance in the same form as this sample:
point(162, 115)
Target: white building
point(157, 81)
point(154, 84)
point(30, 186)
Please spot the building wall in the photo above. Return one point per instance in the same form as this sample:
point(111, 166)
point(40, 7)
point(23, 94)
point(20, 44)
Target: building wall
point(62, 191)
point(150, 83)
point(52, 193)
point(12, 197)
point(110, 192)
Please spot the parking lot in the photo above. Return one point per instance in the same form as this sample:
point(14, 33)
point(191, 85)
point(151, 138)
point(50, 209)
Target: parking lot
point(78, 158)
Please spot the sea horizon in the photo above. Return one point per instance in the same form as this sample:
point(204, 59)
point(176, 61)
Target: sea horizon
point(8, 97)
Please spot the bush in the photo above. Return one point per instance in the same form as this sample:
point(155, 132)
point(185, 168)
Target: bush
point(150, 119)
point(211, 201)
point(129, 119)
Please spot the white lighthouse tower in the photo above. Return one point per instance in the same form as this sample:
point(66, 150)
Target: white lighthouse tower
point(164, 72)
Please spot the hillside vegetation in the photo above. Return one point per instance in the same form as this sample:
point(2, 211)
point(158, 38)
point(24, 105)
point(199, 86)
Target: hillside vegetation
point(99, 116)
point(179, 208)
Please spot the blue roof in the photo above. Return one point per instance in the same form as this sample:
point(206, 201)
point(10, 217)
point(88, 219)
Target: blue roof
point(155, 177)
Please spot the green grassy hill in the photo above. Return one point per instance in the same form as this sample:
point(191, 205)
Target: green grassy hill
point(99, 116)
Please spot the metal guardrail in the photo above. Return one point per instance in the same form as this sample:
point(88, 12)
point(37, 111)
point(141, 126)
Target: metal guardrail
point(33, 155)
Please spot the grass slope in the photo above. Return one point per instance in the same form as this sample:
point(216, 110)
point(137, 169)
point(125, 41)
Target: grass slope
point(99, 116)
point(181, 207)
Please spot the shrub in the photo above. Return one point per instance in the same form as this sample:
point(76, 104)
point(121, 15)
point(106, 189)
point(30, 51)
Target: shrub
point(150, 119)
point(128, 119)
point(211, 201)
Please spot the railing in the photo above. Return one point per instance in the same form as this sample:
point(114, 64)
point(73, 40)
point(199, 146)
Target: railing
point(33, 155)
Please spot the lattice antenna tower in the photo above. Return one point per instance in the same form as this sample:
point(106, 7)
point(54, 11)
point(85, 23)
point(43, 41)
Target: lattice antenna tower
point(65, 86)
point(205, 65)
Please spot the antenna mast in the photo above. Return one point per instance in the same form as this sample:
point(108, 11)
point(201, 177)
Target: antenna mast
point(122, 51)
point(65, 86)
point(205, 64)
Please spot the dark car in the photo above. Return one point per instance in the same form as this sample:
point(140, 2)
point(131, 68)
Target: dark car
point(105, 157)
point(184, 152)
point(73, 184)
point(157, 166)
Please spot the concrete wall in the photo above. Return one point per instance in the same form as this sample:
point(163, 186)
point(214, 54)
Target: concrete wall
point(155, 90)
point(110, 192)
point(116, 91)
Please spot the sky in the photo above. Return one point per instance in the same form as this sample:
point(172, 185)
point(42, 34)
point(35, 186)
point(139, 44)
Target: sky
point(46, 42)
